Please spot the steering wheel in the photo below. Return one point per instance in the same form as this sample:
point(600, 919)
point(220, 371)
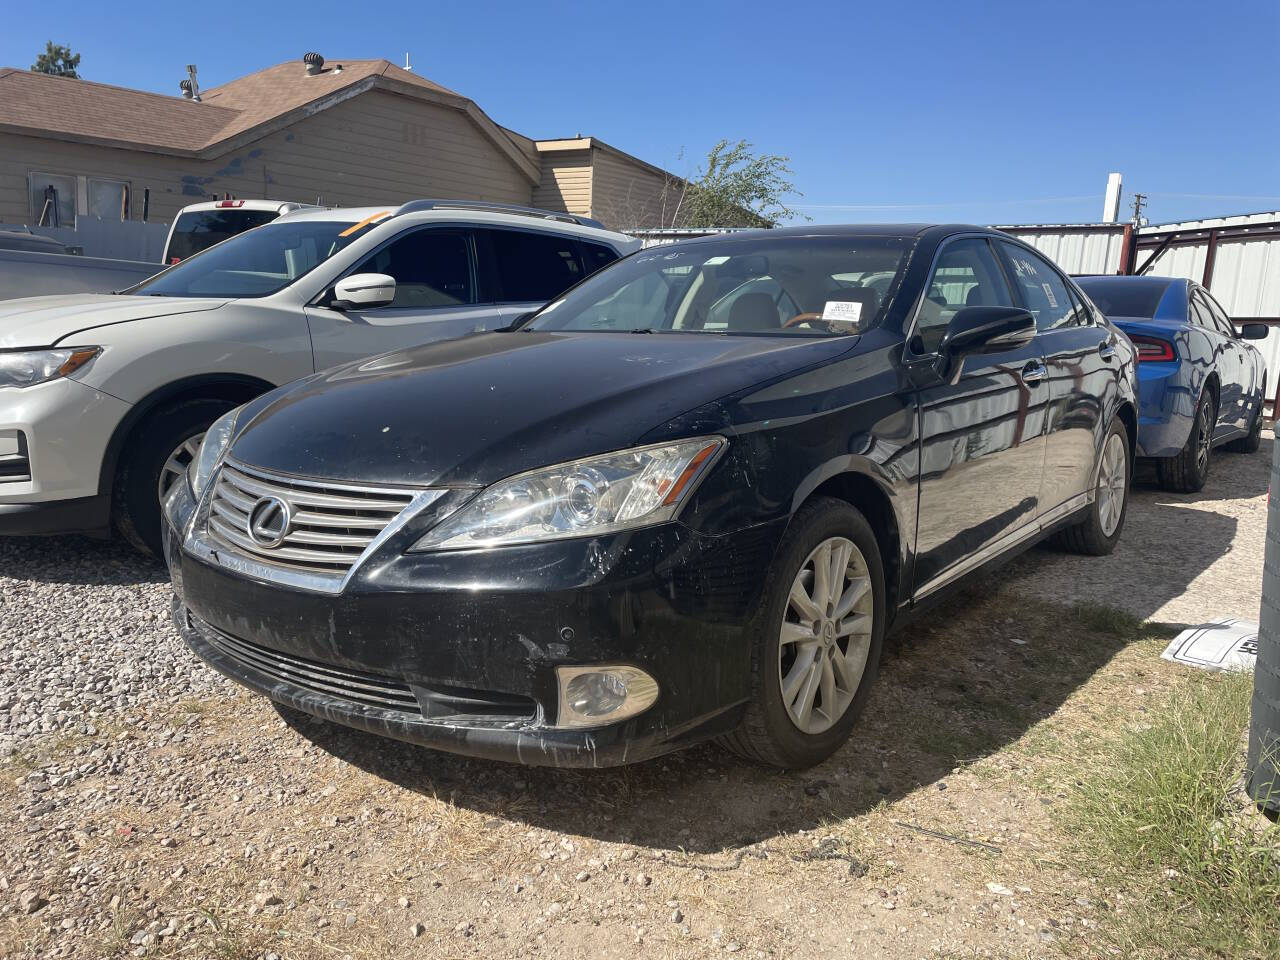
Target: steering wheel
point(800, 318)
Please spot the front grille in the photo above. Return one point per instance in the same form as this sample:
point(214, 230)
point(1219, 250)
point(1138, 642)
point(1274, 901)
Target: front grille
point(332, 523)
point(368, 689)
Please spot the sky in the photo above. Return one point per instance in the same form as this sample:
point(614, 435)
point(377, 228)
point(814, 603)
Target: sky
point(978, 112)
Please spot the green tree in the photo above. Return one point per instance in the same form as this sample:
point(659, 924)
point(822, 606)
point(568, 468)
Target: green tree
point(58, 60)
point(738, 189)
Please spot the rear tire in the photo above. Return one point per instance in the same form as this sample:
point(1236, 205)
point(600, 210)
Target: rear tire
point(770, 732)
point(1252, 440)
point(1099, 532)
point(136, 507)
point(1188, 471)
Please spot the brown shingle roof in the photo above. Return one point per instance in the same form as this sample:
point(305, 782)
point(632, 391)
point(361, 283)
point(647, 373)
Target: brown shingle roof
point(46, 105)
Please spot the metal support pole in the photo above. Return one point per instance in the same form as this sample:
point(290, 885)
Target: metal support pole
point(1263, 766)
point(1211, 252)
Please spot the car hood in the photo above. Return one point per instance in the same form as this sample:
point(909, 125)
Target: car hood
point(46, 321)
point(475, 410)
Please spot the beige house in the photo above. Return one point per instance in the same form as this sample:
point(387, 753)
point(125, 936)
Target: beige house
point(355, 133)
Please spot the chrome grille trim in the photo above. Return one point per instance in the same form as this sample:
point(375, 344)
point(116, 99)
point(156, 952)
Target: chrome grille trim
point(333, 524)
point(366, 689)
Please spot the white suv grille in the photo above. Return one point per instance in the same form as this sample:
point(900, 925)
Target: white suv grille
point(330, 525)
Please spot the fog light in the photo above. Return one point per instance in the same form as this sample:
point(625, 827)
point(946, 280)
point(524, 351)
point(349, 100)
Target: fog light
point(598, 695)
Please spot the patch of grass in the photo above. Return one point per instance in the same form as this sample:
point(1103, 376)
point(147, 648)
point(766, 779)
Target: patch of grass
point(1157, 819)
point(1103, 619)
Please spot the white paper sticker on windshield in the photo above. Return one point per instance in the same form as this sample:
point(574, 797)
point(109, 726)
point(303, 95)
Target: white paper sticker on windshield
point(846, 311)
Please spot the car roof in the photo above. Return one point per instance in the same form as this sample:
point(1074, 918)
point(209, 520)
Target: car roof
point(496, 214)
point(1109, 279)
point(245, 205)
point(850, 230)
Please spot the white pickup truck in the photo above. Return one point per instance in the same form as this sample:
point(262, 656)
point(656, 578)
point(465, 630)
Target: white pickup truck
point(35, 266)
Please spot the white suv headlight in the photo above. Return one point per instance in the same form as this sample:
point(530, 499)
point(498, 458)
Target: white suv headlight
point(598, 495)
point(216, 440)
point(26, 368)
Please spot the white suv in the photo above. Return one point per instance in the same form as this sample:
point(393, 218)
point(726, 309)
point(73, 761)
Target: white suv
point(104, 398)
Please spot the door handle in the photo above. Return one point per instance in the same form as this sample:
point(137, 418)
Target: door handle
point(1107, 350)
point(1034, 372)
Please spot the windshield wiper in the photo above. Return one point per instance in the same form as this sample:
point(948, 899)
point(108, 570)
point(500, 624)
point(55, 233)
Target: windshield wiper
point(643, 330)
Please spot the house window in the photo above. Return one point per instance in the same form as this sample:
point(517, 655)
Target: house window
point(53, 199)
point(56, 198)
point(108, 199)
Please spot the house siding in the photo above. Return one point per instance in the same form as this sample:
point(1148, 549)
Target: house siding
point(566, 182)
point(626, 194)
point(377, 147)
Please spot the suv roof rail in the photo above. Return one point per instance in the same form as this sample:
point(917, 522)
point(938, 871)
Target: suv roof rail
point(413, 206)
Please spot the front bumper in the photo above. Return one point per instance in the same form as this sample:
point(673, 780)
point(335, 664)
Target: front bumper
point(458, 651)
point(65, 427)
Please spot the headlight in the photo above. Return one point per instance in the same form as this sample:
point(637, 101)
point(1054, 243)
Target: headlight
point(25, 368)
point(216, 440)
point(617, 491)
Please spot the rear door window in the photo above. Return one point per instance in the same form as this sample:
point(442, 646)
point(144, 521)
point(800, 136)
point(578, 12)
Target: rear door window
point(596, 256)
point(431, 267)
point(1222, 321)
point(1199, 313)
point(532, 267)
point(1043, 290)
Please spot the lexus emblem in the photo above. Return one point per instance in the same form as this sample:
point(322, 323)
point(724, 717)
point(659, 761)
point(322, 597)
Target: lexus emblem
point(269, 522)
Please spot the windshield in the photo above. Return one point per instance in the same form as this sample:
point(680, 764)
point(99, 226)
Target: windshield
point(1125, 296)
point(814, 286)
point(200, 230)
point(253, 264)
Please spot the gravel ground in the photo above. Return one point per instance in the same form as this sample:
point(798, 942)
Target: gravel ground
point(1183, 558)
point(153, 808)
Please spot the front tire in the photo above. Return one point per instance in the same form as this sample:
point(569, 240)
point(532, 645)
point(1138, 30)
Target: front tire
point(148, 460)
point(816, 639)
point(1099, 532)
point(1188, 471)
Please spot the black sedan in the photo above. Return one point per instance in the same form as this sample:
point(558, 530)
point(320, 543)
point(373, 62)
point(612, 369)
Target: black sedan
point(684, 501)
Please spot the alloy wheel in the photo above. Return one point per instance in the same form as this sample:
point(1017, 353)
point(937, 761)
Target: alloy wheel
point(1206, 437)
point(826, 635)
point(175, 465)
point(1112, 484)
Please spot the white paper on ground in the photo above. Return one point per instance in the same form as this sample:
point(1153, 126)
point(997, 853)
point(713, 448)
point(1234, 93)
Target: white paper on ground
point(1224, 644)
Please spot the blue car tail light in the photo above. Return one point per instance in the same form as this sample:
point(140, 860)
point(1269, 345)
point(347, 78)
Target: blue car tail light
point(1153, 349)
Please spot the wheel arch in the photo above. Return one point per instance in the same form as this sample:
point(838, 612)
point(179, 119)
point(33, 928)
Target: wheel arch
point(1129, 417)
point(1214, 386)
point(231, 387)
point(859, 484)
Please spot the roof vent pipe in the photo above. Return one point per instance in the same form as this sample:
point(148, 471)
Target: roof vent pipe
point(314, 62)
point(186, 89)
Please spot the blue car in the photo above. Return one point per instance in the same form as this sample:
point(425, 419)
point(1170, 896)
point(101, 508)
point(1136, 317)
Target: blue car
point(1201, 385)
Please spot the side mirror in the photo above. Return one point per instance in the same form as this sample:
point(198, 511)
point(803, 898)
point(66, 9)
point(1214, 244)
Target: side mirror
point(363, 291)
point(1254, 331)
point(984, 330)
